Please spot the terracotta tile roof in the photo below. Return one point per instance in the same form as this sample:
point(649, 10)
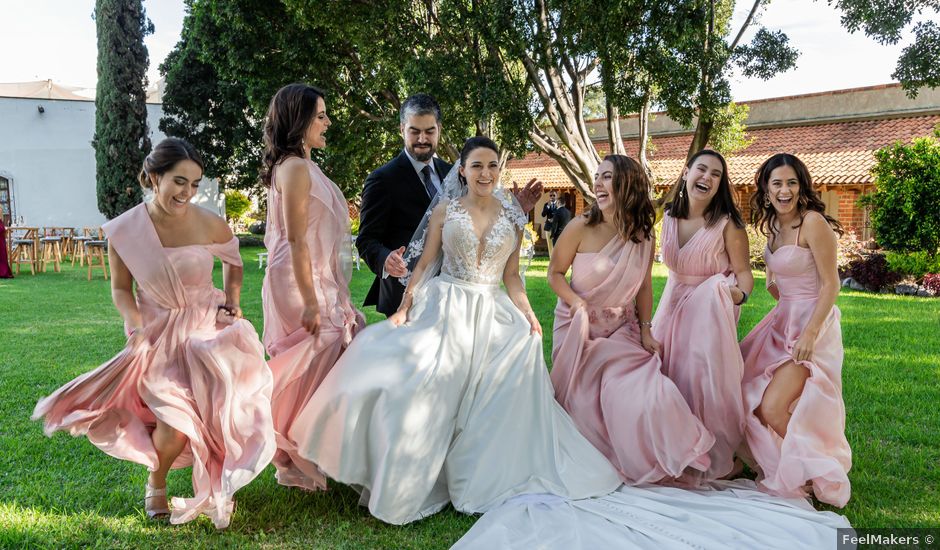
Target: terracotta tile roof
point(836, 153)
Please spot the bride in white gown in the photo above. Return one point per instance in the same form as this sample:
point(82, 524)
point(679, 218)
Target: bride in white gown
point(450, 400)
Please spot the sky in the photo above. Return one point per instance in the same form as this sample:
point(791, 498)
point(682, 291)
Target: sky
point(56, 39)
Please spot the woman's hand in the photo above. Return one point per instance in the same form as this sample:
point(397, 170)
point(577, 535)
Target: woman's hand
point(649, 343)
point(310, 319)
point(577, 303)
point(399, 317)
point(136, 337)
point(805, 346)
point(536, 327)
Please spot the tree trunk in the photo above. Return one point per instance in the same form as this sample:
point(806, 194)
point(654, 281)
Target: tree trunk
point(614, 138)
point(644, 120)
point(703, 130)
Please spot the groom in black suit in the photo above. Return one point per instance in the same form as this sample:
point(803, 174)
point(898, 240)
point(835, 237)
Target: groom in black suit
point(395, 198)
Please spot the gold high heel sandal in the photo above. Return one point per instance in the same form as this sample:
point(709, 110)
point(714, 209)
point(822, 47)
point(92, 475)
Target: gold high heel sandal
point(159, 511)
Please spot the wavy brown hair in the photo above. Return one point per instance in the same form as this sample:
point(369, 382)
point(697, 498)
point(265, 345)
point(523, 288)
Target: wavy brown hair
point(165, 156)
point(634, 215)
point(289, 114)
point(722, 203)
point(763, 213)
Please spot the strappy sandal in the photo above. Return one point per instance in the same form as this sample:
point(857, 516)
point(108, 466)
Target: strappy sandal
point(159, 511)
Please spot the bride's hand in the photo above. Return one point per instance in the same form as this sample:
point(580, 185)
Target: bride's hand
point(533, 323)
point(399, 317)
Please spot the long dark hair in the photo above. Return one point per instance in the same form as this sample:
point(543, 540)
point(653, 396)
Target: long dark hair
point(289, 114)
point(634, 215)
point(722, 203)
point(763, 213)
point(471, 145)
point(164, 157)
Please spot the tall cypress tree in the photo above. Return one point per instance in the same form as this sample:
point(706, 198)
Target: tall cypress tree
point(121, 141)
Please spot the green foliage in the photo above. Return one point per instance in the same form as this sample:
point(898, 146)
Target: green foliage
point(120, 140)
point(729, 134)
point(885, 21)
point(915, 264)
point(354, 226)
point(236, 204)
point(906, 202)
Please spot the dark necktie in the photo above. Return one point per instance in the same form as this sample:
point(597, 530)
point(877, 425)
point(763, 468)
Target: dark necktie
point(428, 184)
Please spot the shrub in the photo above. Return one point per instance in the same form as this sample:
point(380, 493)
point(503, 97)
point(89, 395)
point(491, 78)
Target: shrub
point(757, 243)
point(250, 240)
point(873, 273)
point(932, 282)
point(236, 204)
point(915, 264)
point(257, 228)
point(905, 203)
point(850, 250)
point(354, 226)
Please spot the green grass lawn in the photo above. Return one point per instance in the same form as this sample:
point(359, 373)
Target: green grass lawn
point(63, 492)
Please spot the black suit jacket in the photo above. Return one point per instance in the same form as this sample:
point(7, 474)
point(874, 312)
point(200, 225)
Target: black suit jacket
point(393, 202)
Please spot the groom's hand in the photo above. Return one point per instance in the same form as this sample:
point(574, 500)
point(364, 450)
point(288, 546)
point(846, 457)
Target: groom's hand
point(528, 195)
point(395, 265)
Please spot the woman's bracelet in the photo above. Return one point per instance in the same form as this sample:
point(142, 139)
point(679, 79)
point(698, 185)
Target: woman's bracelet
point(645, 324)
point(743, 300)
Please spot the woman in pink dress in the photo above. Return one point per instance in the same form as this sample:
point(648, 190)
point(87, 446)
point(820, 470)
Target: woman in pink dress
point(793, 357)
point(705, 247)
point(308, 318)
point(606, 370)
point(191, 387)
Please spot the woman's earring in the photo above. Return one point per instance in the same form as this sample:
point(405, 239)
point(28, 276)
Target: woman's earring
point(767, 201)
point(682, 191)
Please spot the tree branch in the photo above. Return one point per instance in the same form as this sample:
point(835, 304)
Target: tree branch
point(745, 25)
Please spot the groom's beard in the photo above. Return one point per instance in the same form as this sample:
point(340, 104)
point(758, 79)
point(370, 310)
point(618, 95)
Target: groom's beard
point(423, 154)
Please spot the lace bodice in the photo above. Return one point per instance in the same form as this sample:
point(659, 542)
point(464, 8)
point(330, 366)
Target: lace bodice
point(479, 260)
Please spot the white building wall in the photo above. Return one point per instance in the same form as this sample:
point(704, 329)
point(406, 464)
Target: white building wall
point(50, 161)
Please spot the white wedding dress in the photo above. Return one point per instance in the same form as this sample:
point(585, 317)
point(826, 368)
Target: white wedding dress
point(455, 405)
point(721, 515)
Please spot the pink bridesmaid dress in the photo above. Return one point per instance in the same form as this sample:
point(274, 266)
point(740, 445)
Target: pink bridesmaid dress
point(815, 449)
point(208, 381)
point(611, 386)
point(300, 361)
point(697, 324)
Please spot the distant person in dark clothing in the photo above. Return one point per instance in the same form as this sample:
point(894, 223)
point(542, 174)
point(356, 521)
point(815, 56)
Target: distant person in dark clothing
point(562, 216)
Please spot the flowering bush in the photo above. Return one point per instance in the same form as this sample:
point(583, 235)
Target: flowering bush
point(873, 272)
point(850, 250)
point(757, 242)
point(932, 282)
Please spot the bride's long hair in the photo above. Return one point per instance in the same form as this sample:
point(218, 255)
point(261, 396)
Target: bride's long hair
point(289, 114)
point(634, 215)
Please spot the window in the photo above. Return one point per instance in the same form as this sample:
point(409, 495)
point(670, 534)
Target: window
point(6, 201)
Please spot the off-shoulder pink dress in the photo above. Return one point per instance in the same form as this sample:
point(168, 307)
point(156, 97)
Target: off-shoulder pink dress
point(697, 324)
point(208, 381)
point(610, 385)
point(300, 361)
point(815, 449)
